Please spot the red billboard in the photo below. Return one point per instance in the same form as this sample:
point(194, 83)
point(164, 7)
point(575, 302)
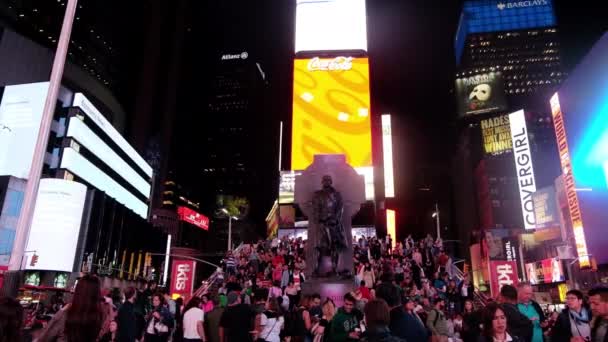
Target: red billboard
point(182, 278)
point(502, 272)
point(188, 215)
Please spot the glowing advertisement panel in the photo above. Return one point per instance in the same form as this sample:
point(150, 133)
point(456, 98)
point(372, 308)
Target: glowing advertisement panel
point(190, 216)
point(574, 210)
point(331, 111)
point(85, 136)
point(391, 224)
point(80, 166)
point(523, 165)
point(56, 225)
point(89, 109)
point(330, 25)
point(387, 151)
point(20, 114)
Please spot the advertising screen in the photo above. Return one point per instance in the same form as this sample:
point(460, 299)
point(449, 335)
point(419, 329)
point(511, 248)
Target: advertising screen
point(331, 25)
point(331, 110)
point(287, 186)
point(545, 208)
point(523, 165)
point(481, 93)
point(55, 225)
point(21, 109)
point(287, 216)
point(545, 271)
point(496, 134)
point(80, 166)
point(190, 216)
point(87, 138)
point(387, 156)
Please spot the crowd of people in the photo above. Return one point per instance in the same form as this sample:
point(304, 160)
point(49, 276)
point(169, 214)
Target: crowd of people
point(408, 292)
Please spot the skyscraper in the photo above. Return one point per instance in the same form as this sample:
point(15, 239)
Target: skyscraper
point(508, 58)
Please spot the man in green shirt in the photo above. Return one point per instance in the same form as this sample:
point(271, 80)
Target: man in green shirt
point(532, 310)
point(345, 321)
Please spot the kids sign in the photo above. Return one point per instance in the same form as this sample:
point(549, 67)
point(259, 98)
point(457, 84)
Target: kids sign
point(182, 278)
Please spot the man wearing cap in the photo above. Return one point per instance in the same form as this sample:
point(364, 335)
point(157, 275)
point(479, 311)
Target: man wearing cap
point(437, 322)
point(236, 321)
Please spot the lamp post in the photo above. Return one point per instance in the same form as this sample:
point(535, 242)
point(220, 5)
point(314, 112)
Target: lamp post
point(436, 216)
point(230, 218)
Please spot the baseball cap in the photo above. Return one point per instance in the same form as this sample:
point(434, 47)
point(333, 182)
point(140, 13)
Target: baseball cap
point(232, 297)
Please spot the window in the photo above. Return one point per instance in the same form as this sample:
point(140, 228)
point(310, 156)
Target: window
point(14, 201)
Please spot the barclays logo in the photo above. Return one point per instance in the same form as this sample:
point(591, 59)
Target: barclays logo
point(521, 4)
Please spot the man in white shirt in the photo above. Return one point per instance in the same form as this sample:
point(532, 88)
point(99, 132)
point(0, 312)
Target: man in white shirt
point(193, 321)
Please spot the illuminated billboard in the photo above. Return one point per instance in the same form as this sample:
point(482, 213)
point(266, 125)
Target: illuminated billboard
point(20, 114)
point(387, 152)
point(496, 135)
point(190, 216)
point(331, 110)
point(546, 271)
point(524, 167)
point(391, 225)
point(56, 225)
point(480, 94)
point(330, 25)
point(287, 186)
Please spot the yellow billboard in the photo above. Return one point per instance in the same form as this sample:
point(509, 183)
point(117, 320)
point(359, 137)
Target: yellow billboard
point(331, 110)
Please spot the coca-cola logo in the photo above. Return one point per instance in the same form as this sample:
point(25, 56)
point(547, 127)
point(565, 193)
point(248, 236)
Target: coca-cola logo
point(182, 277)
point(336, 64)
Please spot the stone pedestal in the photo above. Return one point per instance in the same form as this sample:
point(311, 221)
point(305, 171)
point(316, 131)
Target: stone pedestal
point(333, 288)
point(351, 186)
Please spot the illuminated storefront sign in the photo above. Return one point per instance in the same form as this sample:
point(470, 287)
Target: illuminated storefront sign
point(524, 167)
point(387, 150)
point(496, 134)
point(502, 273)
point(573, 205)
point(331, 113)
point(188, 215)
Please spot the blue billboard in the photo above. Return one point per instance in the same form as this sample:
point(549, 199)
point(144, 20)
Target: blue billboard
point(483, 16)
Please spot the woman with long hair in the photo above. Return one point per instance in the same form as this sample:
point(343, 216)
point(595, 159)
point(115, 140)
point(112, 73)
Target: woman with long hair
point(159, 321)
point(271, 322)
point(11, 320)
point(320, 329)
point(86, 318)
point(471, 320)
point(495, 325)
point(112, 335)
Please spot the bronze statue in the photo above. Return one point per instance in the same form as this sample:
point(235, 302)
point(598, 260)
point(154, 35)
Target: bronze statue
point(327, 209)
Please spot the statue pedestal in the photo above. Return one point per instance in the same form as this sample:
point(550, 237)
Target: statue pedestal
point(334, 288)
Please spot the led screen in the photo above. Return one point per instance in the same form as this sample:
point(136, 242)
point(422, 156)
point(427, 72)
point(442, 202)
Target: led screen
point(87, 107)
point(20, 114)
point(522, 156)
point(56, 225)
point(78, 165)
point(387, 156)
point(331, 110)
point(480, 94)
point(85, 136)
point(331, 25)
point(188, 215)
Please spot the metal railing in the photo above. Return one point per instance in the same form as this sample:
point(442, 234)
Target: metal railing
point(480, 296)
point(214, 277)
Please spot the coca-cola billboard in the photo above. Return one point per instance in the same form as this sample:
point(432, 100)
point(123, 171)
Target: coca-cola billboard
point(188, 215)
point(502, 273)
point(333, 64)
point(182, 277)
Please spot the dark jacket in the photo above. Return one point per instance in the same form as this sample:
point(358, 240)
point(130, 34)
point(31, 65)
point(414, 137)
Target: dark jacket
point(470, 326)
point(127, 331)
point(562, 330)
point(518, 324)
point(491, 339)
point(380, 334)
point(596, 324)
point(407, 326)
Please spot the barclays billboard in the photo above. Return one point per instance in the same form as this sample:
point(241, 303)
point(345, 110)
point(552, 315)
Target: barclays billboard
point(484, 16)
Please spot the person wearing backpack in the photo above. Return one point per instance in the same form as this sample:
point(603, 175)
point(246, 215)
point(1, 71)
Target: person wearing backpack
point(437, 322)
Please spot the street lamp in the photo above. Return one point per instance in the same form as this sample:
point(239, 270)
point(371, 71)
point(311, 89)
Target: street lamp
point(436, 217)
point(230, 218)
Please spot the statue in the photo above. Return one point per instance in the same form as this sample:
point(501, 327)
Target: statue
point(328, 208)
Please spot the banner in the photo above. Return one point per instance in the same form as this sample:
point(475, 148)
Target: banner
point(496, 135)
point(182, 278)
point(522, 156)
point(546, 271)
point(481, 93)
point(502, 273)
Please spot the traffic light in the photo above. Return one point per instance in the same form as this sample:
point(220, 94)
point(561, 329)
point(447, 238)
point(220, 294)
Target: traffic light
point(34, 260)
